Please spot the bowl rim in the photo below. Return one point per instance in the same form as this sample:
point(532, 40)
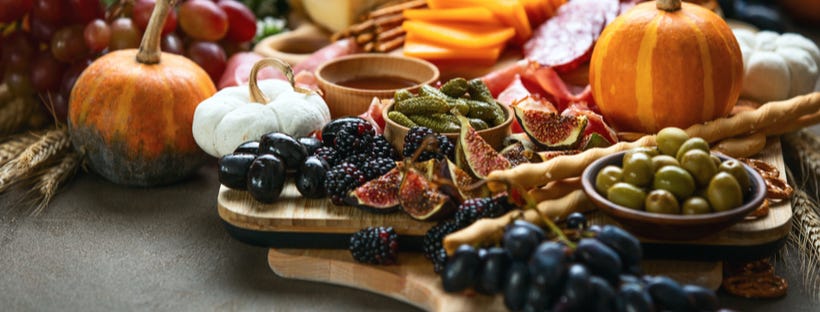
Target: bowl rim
point(507, 121)
point(755, 199)
point(322, 80)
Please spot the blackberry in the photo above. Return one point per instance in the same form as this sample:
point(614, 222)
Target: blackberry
point(415, 137)
point(358, 160)
point(375, 245)
point(340, 180)
point(383, 149)
point(328, 154)
point(354, 138)
point(432, 246)
point(377, 167)
point(473, 209)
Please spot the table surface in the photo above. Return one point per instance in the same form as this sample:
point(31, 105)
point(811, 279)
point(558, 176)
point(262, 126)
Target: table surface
point(103, 247)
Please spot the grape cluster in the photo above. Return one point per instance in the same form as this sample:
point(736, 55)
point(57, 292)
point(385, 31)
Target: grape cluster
point(46, 44)
point(599, 272)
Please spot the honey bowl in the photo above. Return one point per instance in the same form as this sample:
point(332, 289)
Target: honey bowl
point(350, 83)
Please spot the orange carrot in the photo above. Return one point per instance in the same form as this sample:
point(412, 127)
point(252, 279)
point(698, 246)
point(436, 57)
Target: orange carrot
point(476, 14)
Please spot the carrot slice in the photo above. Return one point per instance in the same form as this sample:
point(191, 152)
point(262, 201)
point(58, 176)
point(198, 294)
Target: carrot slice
point(457, 15)
point(459, 35)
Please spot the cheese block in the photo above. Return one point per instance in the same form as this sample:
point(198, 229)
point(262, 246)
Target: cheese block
point(335, 15)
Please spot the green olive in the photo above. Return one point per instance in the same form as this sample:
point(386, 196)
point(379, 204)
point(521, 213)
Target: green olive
point(693, 143)
point(676, 180)
point(606, 178)
point(651, 152)
point(724, 192)
point(670, 139)
point(716, 159)
point(637, 169)
point(696, 205)
point(626, 195)
point(700, 165)
point(663, 160)
point(736, 169)
point(662, 201)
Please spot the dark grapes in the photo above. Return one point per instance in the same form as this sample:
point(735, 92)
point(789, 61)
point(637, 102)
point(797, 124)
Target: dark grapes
point(576, 221)
point(493, 271)
point(461, 270)
point(516, 288)
point(520, 241)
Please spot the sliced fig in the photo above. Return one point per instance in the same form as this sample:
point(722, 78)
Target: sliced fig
point(463, 182)
point(421, 199)
point(380, 195)
point(549, 129)
point(517, 154)
point(480, 157)
point(595, 125)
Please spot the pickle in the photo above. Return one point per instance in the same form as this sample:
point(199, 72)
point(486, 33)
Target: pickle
point(455, 87)
point(498, 115)
point(401, 119)
point(401, 95)
point(428, 90)
point(479, 91)
point(481, 110)
point(478, 124)
point(460, 105)
point(422, 105)
point(436, 123)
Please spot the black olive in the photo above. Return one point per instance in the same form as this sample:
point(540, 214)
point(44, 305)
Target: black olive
point(266, 178)
point(311, 178)
point(233, 170)
point(290, 151)
point(249, 147)
point(310, 143)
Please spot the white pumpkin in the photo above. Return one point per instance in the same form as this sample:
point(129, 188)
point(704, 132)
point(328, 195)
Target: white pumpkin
point(235, 115)
point(777, 67)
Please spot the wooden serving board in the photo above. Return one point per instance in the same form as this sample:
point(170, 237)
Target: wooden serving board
point(413, 280)
point(294, 214)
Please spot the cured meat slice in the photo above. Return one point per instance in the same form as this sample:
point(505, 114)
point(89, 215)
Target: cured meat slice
point(566, 40)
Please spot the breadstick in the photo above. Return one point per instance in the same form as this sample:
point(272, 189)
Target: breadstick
point(744, 146)
point(397, 8)
point(793, 125)
point(630, 136)
point(489, 231)
point(532, 175)
point(556, 189)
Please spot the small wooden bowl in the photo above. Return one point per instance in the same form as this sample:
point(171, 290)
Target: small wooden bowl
point(671, 226)
point(395, 132)
point(347, 101)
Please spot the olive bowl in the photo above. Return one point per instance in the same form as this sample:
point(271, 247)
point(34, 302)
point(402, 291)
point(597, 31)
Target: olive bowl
point(676, 227)
point(494, 136)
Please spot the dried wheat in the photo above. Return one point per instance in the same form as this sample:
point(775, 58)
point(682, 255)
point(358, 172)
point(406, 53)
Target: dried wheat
point(47, 146)
point(49, 181)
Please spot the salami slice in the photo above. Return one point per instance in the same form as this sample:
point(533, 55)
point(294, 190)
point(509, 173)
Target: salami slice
point(565, 41)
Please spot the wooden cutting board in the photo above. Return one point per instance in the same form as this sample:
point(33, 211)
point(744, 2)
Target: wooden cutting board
point(294, 214)
point(413, 280)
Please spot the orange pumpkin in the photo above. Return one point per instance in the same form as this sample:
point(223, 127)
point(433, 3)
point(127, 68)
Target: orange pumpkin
point(665, 64)
point(132, 113)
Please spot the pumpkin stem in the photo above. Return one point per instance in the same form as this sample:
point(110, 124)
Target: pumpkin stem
point(668, 5)
point(256, 95)
point(150, 52)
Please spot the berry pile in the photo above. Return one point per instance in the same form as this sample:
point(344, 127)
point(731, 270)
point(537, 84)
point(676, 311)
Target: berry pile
point(444, 148)
point(469, 211)
point(601, 272)
point(375, 245)
point(355, 154)
point(261, 167)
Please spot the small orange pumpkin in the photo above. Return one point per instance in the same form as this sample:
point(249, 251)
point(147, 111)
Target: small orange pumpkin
point(665, 63)
point(132, 113)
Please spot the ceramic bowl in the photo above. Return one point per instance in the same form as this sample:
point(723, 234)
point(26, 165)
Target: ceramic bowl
point(395, 132)
point(351, 101)
point(671, 226)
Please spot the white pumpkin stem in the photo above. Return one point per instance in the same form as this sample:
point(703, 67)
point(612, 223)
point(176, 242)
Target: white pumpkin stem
point(668, 5)
point(256, 94)
point(150, 52)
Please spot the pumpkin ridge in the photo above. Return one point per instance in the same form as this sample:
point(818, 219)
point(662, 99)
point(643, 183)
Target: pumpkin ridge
point(706, 62)
point(601, 54)
point(643, 73)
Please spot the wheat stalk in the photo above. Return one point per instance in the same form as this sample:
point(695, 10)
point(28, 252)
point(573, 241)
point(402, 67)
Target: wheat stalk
point(806, 239)
point(52, 177)
point(14, 146)
point(14, 114)
point(47, 146)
